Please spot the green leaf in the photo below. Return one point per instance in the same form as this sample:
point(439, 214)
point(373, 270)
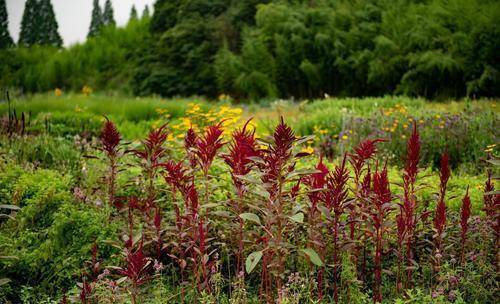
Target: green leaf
point(250, 217)
point(252, 260)
point(299, 217)
point(313, 256)
point(4, 281)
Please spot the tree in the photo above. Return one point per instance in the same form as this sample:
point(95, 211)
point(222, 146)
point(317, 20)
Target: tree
point(133, 13)
point(49, 29)
point(5, 39)
point(29, 25)
point(97, 20)
point(145, 12)
point(108, 16)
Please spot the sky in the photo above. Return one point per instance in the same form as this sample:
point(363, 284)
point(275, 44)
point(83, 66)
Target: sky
point(73, 16)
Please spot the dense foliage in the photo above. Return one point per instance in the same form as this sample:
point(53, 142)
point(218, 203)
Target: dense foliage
point(210, 211)
point(276, 48)
point(5, 38)
point(39, 25)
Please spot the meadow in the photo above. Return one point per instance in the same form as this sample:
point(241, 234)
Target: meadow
point(113, 199)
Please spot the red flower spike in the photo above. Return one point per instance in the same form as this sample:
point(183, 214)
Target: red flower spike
point(241, 149)
point(316, 181)
point(208, 145)
point(336, 192)
point(175, 174)
point(110, 137)
point(444, 175)
point(283, 140)
point(382, 197)
point(362, 153)
point(192, 199)
point(335, 198)
point(153, 145)
point(413, 155)
point(189, 144)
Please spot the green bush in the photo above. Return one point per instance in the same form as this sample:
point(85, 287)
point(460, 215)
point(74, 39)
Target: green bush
point(51, 235)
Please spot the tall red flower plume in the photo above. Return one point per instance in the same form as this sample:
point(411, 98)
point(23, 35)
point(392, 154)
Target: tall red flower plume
point(336, 192)
point(491, 201)
point(363, 152)
point(208, 145)
point(381, 187)
point(277, 154)
point(316, 181)
point(110, 137)
point(283, 140)
point(192, 198)
point(382, 198)
point(465, 213)
point(174, 174)
point(242, 148)
point(153, 146)
point(444, 176)
point(189, 144)
point(413, 155)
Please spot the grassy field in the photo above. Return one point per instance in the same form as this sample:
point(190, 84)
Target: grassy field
point(104, 215)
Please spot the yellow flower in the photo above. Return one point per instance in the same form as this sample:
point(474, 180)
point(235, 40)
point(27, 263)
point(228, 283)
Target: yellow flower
point(86, 90)
point(58, 92)
point(421, 121)
point(344, 137)
point(307, 149)
point(437, 116)
point(403, 136)
point(405, 126)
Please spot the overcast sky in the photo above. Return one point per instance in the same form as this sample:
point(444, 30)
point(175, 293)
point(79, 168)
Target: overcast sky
point(73, 16)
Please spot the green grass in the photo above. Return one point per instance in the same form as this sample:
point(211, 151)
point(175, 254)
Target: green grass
point(118, 107)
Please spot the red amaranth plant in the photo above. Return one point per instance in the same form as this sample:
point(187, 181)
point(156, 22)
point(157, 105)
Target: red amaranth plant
point(408, 208)
point(136, 271)
point(316, 183)
point(440, 214)
point(492, 210)
point(110, 140)
point(151, 155)
point(381, 207)
point(274, 166)
point(336, 201)
point(359, 160)
point(465, 213)
point(207, 146)
point(241, 150)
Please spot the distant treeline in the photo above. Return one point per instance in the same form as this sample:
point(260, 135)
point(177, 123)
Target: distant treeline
point(252, 49)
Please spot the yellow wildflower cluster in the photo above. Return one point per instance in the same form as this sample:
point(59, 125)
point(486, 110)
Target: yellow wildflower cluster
point(198, 118)
point(307, 149)
point(58, 92)
point(86, 90)
point(319, 131)
point(489, 148)
point(398, 108)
